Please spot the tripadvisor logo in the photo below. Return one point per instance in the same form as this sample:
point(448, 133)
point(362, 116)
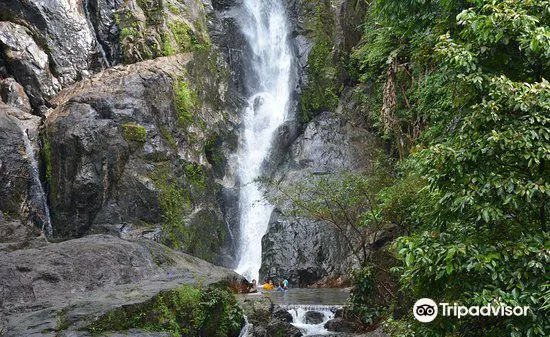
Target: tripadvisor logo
point(426, 310)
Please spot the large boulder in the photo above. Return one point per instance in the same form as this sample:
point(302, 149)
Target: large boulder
point(279, 328)
point(49, 45)
point(14, 167)
point(258, 310)
point(57, 46)
point(141, 150)
point(13, 94)
point(303, 251)
point(58, 289)
point(342, 325)
point(314, 317)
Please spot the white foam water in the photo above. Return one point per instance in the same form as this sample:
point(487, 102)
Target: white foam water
point(264, 24)
point(246, 330)
point(299, 312)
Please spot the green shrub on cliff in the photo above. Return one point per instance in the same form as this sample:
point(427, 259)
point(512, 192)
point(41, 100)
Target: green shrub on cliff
point(184, 311)
point(322, 89)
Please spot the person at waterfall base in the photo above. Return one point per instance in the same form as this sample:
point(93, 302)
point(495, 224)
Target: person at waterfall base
point(285, 284)
point(280, 286)
point(254, 288)
point(268, 285)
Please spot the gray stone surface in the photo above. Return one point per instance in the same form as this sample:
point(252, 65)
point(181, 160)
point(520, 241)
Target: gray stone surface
point(259, 311)
point(314, 317)
point(279, 328)
point(304, 250)
point(13, 94)
point(104, 182)
point(28, 62)
point(66, 285)
point(19, 201)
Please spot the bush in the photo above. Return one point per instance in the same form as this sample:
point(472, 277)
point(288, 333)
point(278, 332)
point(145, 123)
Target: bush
point(363, 296)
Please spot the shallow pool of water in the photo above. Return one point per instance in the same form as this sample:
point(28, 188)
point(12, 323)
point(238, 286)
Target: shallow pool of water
point(304, 296)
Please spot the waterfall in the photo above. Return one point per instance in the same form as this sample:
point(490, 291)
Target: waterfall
point(264, 25)
point(94, 34)
point(245, 331)
point(300, 317)
point(37, 196)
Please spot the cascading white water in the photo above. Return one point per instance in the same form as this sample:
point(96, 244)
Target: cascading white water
point(37, 195)
point(264, 25)
point(299, 318)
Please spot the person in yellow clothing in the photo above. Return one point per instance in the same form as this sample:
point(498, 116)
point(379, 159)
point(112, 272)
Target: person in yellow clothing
point(268, 286)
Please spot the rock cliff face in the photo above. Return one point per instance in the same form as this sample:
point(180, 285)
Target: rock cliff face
point(303, 250)
point(137, 150)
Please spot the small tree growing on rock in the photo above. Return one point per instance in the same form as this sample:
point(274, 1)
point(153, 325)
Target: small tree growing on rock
point(348, 201)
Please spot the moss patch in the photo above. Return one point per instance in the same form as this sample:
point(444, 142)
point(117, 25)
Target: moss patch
point(184, 311)
point(179, 38)
point(134, 132)
point(47, 158)
point(184, 100)
point(167, 135)
point(213, 152)
point(195, 175)
point(175, 203)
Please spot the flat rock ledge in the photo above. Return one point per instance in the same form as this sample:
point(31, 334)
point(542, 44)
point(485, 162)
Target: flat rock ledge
point(60, 288)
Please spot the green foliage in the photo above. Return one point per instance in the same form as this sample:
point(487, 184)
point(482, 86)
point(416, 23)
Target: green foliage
point(185, 102)
point(363, 295)
point(321, 92)
point(184, 311)
point(179, 188)
point(448, 268)
point(153, 10)
point(349, 201)
point(195, 175)
point(128, 32)
point(134, 132)
point(213, 152)
point(183, 37)
point(461, 89)
point(166, 134)
point(163, 32)
point(173, 9)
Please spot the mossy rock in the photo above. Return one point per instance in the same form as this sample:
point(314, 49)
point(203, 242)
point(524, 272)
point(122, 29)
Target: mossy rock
point(184, 100)
point(185, 311)
point(158, 28)
point(134, 132)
